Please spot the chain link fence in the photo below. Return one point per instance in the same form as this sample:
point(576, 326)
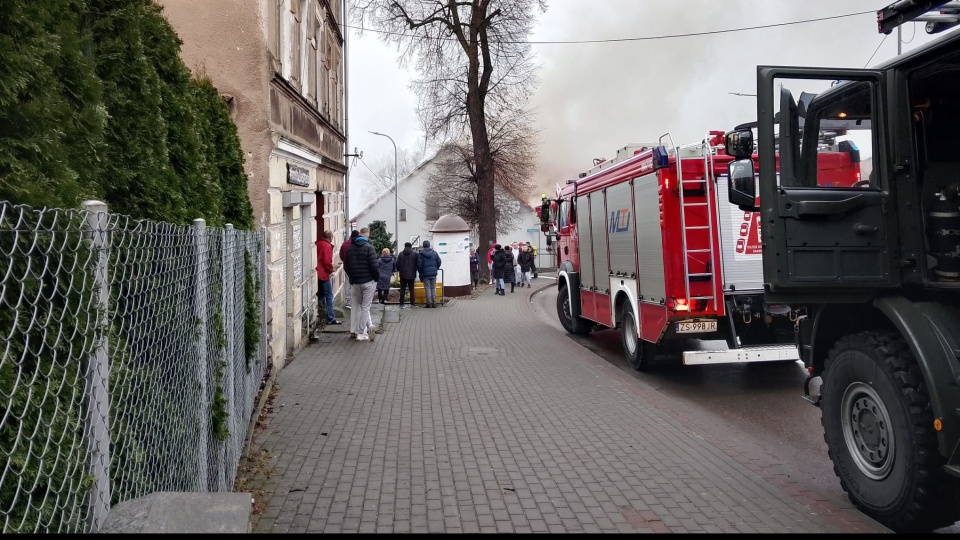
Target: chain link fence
point(133, 352)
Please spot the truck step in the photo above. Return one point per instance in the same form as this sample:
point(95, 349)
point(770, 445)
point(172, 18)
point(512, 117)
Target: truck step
point(768, 353)
point(694, 204)
point(697, 227)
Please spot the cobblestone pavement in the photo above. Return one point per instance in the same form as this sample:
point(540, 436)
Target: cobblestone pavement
point(475, 417)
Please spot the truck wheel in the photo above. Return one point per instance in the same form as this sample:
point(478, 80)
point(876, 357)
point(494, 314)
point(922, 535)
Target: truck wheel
point(878, 427)
point(574, 325)
point(639, 353)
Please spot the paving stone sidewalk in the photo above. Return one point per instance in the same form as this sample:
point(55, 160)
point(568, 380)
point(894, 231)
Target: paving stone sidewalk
point(477, 417)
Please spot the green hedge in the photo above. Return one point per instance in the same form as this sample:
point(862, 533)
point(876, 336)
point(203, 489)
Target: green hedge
point(95, 103)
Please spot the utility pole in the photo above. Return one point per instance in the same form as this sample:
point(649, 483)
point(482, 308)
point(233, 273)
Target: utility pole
point(396, 190)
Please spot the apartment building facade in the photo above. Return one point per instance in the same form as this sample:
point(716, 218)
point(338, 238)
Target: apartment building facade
point(280, 66)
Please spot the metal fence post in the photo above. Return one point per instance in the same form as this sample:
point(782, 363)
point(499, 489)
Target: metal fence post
point(230, 322)
point(98, 410)
point(263, 252)
point(200, 299)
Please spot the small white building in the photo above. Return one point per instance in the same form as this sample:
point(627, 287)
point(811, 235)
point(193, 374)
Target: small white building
point(408, 207)
point(452, 242)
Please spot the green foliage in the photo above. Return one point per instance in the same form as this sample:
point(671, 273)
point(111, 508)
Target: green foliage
point(96, 103)
point(218, 409)
point(142, 182)
point(51, 114)
point(251, 309)
point(188, 134)
point(224, 154)
point(380, 238)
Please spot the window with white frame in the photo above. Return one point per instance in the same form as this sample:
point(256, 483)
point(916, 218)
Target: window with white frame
point(306, 51)
point(292, 36)
point(320, 47)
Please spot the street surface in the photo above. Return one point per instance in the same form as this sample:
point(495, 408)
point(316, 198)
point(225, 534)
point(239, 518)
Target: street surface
point(760, 401)
point(481, 417)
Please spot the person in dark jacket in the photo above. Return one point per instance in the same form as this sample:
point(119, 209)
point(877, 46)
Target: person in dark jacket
point(474, 268)
point(361, 267)
point(388, 265)
point(526, 265)
point(509, 274)
point(343, 257)
point(428, 266)
point(407, 267)
point(496, 270)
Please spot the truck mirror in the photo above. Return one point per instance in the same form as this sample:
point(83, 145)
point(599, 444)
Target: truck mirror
point(739, 143)
point(743, 187)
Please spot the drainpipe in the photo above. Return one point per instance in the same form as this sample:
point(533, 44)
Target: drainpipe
point(346, 129)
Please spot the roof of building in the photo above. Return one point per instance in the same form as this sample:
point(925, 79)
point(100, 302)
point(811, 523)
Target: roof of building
point(450, 223)
point(523, 201)
point(390, 189)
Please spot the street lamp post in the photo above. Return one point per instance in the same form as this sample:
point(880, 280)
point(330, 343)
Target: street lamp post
point(396, 190)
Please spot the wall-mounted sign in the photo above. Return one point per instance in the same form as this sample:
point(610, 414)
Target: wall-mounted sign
point(298, 176)
point(296, 251)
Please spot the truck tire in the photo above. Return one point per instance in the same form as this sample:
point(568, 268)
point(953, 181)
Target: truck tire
point(633, 346)
point(640, 354)
point(574, 325)
point(878, 426)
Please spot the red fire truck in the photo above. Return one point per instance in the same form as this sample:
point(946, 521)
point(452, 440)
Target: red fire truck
point(645, 242)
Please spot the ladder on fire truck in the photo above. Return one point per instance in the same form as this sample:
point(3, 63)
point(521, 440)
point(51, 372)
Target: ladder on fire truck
point(707, 181)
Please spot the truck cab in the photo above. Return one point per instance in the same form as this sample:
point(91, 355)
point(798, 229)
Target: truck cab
point(876, 262)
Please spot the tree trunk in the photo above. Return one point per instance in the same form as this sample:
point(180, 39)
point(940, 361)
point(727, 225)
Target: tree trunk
point(486, 219)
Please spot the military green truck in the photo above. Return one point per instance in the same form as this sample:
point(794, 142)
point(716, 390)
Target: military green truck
point(872, 268)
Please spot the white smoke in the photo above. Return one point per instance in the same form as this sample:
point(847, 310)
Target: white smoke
point(595, 98)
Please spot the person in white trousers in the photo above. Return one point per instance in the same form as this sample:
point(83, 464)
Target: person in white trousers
point(360, 263)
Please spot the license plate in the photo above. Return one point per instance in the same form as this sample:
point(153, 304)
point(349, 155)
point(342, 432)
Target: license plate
point(695, 327)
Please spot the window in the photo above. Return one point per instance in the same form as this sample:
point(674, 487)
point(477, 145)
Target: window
point(291, 37)
point(403, 214)
point(834, 142)
point(309, 67)
point(318, 42)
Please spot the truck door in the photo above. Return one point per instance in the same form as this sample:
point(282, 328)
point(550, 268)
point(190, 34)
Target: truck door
point(827, 219)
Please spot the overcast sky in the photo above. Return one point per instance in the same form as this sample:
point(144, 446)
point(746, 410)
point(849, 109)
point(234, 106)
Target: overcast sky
point(594, 98)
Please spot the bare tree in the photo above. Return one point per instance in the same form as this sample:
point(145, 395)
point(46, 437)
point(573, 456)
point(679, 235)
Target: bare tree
point(378, 175)
point(381, 169)
point(474, 64)
point(454, 184)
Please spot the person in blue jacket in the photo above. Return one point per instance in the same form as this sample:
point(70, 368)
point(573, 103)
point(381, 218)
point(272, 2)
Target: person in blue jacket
point(427, 266)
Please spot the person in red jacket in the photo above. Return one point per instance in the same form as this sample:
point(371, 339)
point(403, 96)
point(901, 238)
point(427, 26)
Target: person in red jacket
point(490, 258)
point(343, 256)
point(324, 269)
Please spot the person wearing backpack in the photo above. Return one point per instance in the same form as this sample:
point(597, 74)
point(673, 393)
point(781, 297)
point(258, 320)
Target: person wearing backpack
point(428, 266)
